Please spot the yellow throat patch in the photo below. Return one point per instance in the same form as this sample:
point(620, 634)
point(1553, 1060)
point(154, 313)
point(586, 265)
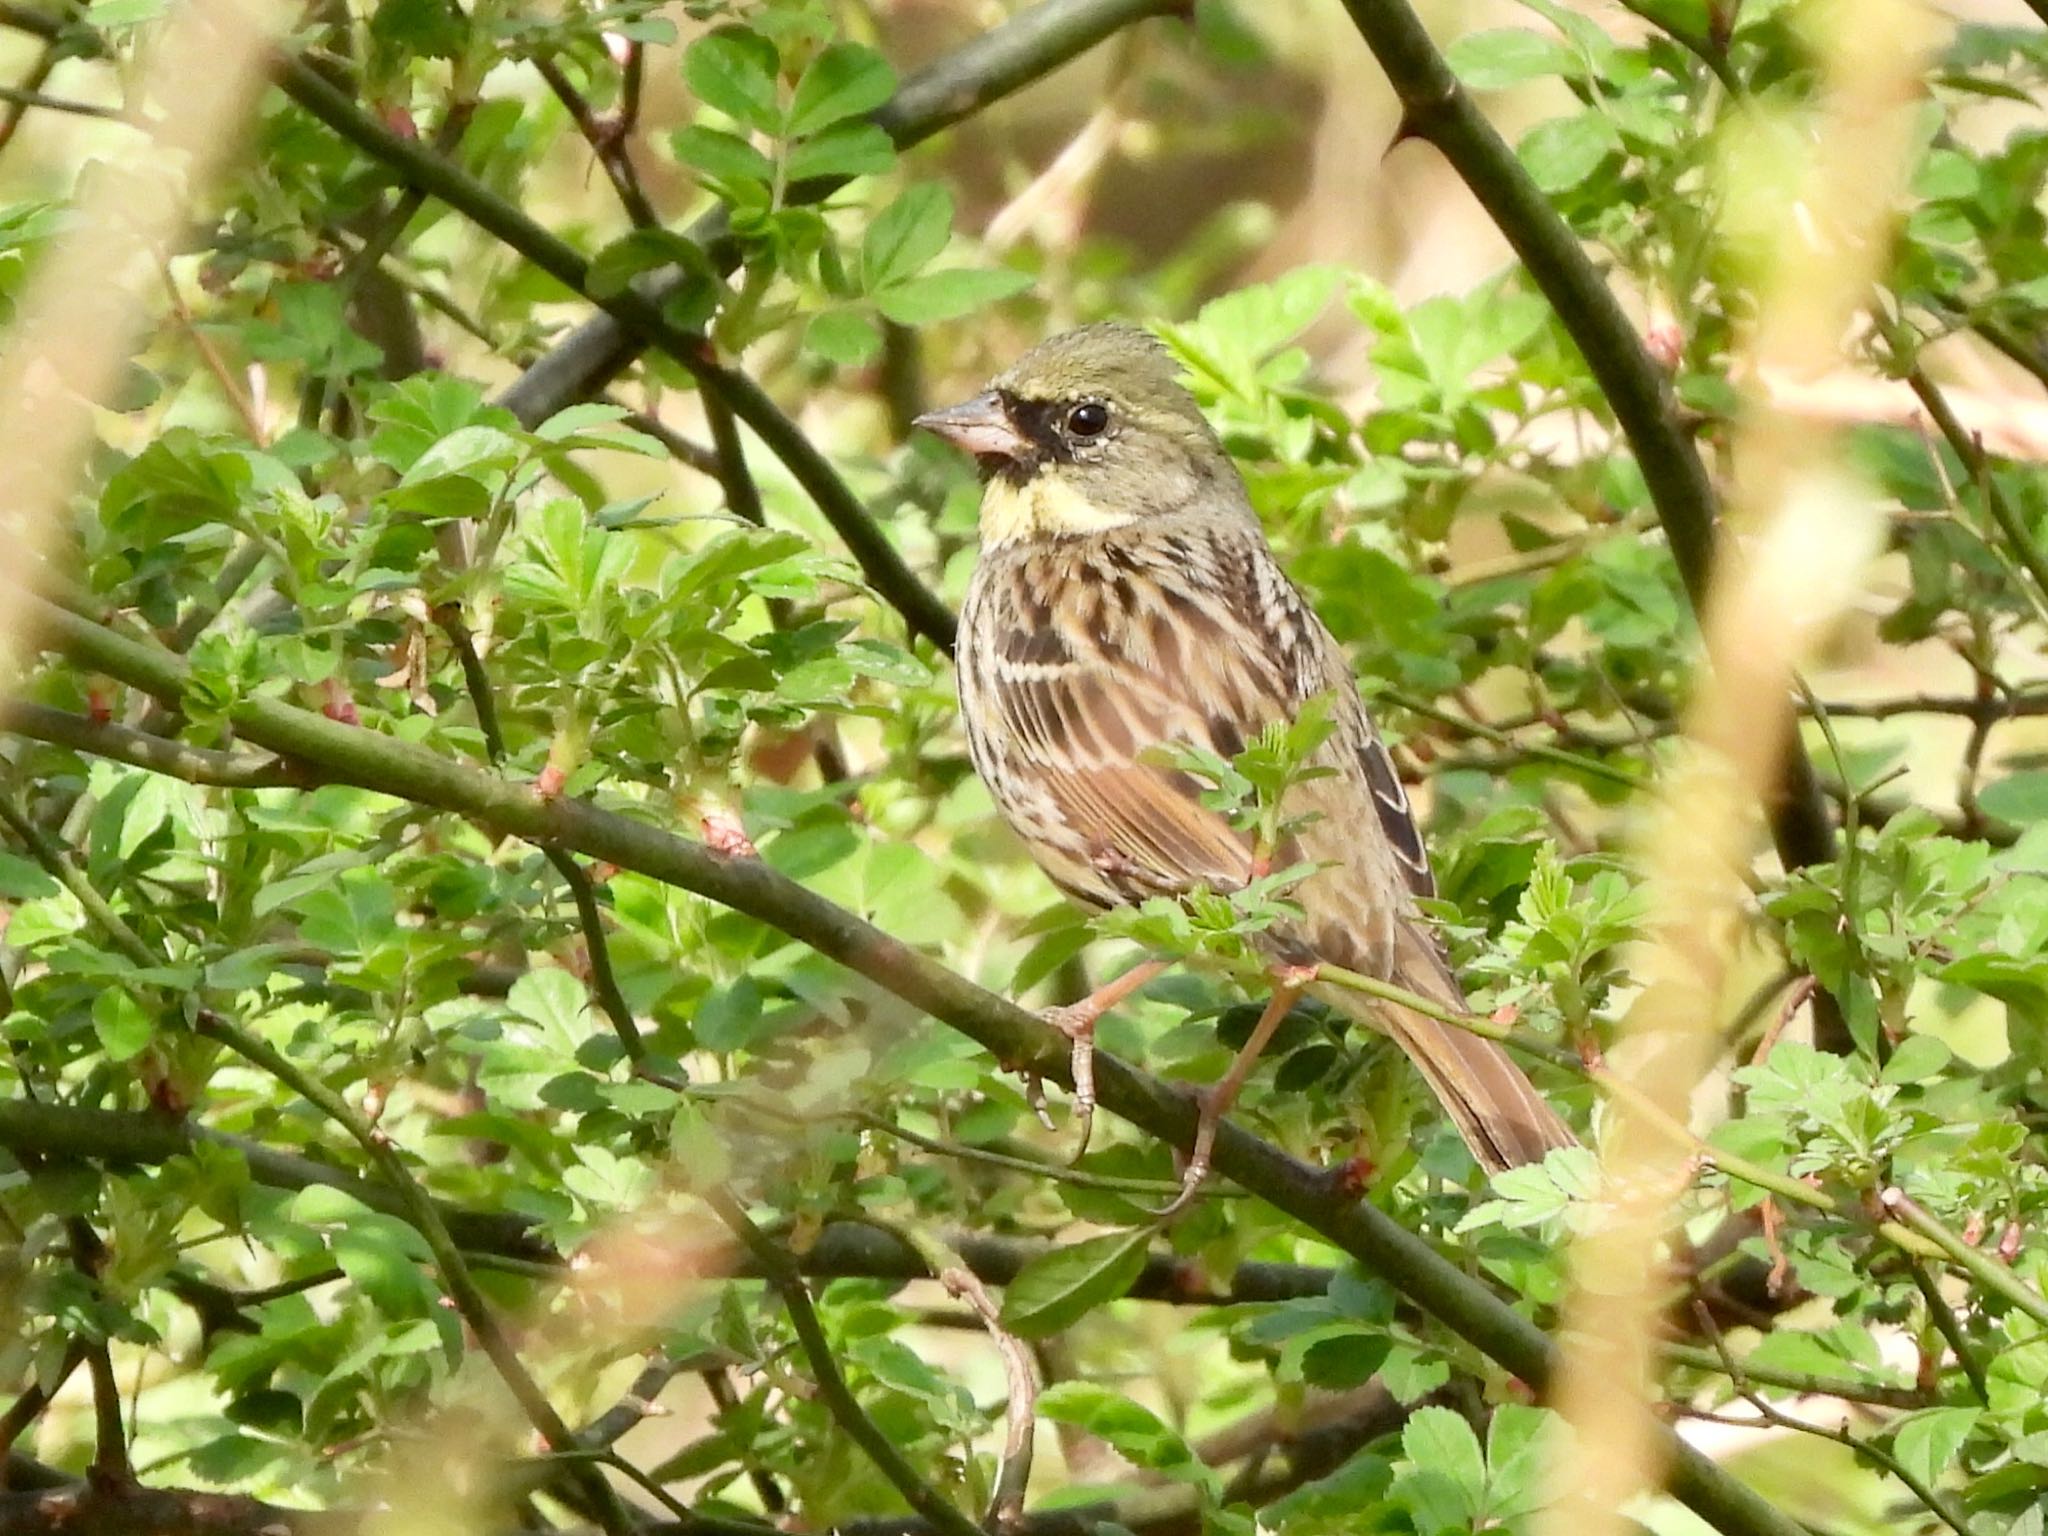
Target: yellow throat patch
point(1045, 506)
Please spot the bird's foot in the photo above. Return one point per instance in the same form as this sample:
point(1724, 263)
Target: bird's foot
point(1196, 1172)
point(1077, 1022)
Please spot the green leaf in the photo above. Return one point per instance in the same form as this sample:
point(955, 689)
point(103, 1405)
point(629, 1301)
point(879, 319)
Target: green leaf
point(2018, 798)
point(725, 157)
point(23, 880)
point(1564, 151)
point(1447, 1489)
point(1928, 1442)
point(1057, 1289)
point(377, 1262)
point(1488, 61)
point(845, 337)
point(905, 236)
point(851, 149)
point(1917, 1058)
point(123, 1027)
point(938, 296)
point(1133, 1431)
point(845, 80)
point(734, 70)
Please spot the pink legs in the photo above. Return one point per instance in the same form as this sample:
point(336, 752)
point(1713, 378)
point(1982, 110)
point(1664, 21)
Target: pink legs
point(1077, 1022)
point(1289, 982)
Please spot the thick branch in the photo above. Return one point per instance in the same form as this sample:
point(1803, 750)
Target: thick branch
point(132, 1511)
point(1436, 108)
point(411, 772)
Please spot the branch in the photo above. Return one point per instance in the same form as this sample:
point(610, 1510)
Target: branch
point(1971, 452)
point(132, 1139)
point(1023, 49)
point(783, 1275)
point(134, 1511)
point(1326, 1206)
point(1436, 108)
point(140, 749)
point(606, 138)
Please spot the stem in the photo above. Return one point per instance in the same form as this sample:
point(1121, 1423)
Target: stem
point(781, 1273)
point(1971, 452)
point(1992, 1276)
point(1436, 108)
point(1950, 1330)
point(140, 749)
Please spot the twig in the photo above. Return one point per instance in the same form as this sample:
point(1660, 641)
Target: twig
point(1436, 108)
point(1971, 452)
point(20, 98)
point(1013, 1476)
point(1993, 1276)
point(15, 817)
point(1079, 1178)
point(31, 84)
point(1593, 767)
point(25, 1409)
point(1950, 1329)
point(209, 354)
point(718, 1383)
point(782, 1273)
point(158, 754)
point(884, 568)
point(1864, 1449)
point(603, 978)
point(607, 137)
point(426, 1219)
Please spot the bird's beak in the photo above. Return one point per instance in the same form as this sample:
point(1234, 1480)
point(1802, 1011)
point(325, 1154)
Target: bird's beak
point(980, 426)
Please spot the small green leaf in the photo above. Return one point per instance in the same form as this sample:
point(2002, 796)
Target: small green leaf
point(846, 80)
point(1564, 151)
point(905, 236)
point(1488, 61)
point(1135, 1432)
point(1917, 1058)
point(725, 157)
point(21, 880)
point(844, 336)
point(1057, 1289)
point(2018, 798)
point(734, 70)
point(938, 296)
point(125, 1030)
point(849, 150)
point(1928, 1442)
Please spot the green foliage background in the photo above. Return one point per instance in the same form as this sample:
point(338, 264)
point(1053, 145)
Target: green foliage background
point(266, 990)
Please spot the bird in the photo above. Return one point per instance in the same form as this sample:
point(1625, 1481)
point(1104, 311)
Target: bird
point(1125, 600)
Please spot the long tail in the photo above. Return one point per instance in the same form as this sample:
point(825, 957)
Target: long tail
point(1495, 1107)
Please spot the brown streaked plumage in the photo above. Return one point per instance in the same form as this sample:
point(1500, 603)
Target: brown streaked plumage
point(1126, 598)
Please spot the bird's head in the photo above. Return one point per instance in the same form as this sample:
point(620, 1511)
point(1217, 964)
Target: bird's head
point(1089, 430)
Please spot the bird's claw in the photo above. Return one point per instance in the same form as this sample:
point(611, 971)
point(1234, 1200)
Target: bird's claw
point(1034, 1095)
point(1078, 1025)
point(1196, 1173)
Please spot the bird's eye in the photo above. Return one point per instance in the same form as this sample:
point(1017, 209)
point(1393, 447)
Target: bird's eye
point(1088, 419)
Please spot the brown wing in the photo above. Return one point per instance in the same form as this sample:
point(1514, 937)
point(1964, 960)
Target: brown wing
point(1083, 656)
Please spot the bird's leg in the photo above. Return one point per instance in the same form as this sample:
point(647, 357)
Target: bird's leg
point(1077, 1022)
point(1289, 982)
